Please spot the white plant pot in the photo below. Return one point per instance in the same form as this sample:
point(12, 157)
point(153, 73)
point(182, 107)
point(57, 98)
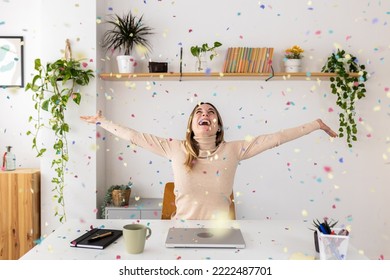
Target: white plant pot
point(126, 63)
point(292, 65)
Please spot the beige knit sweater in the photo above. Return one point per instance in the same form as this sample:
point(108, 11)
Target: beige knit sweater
point(204, 192)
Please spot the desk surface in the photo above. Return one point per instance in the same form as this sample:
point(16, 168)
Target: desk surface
point(265, 240)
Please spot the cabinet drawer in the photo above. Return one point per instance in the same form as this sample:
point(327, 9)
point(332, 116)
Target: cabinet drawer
point(150, 214)
point(122, 213)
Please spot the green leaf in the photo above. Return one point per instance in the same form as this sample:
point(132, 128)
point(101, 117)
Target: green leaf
point(45, 105)
point(76, 96)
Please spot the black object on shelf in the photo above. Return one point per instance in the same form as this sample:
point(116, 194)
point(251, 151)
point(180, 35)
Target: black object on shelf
point(158, 67)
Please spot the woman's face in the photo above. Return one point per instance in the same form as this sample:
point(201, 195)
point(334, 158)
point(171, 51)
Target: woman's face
point(205, 121)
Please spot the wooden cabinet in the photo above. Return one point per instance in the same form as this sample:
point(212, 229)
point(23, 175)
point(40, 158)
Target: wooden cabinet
point(19, 212)
point(146, 208)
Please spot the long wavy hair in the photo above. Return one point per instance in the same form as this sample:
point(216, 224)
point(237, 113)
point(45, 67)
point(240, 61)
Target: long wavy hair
point(190, 143)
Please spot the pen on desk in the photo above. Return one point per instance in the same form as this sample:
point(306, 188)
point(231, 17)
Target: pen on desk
point(97, 237)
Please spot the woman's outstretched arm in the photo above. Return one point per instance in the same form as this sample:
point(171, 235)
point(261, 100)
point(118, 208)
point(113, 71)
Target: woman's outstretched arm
point(326, 128)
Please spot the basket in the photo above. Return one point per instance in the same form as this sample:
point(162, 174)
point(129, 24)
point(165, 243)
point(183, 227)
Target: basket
point(121, 197)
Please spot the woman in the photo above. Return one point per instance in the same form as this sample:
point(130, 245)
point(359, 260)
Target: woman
point(204, 164)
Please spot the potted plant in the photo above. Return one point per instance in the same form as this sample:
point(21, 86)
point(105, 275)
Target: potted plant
point(53, 86)
point(200, 52)
point(347, 88)
point(293, 58)
point(324, 226)
point(117, 195)
point(128, 31)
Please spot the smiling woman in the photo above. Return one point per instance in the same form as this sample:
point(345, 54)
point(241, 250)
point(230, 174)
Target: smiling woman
point(204, 164)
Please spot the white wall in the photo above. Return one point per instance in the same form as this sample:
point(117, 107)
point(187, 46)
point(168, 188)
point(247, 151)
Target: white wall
point(288, 182)
point(45, 26)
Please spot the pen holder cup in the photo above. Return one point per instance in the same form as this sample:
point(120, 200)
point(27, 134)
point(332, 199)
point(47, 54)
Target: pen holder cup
point(333, 246)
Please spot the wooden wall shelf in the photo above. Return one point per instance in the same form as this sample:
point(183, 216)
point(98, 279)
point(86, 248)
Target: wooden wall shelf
point(307, 76)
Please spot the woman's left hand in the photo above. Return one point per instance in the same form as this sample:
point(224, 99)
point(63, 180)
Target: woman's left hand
point(326, 128)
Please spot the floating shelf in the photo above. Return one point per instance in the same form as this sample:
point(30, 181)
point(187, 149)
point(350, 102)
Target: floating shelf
point(189, 76)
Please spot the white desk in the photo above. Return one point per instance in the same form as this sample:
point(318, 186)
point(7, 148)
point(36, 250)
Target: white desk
point(265, 239)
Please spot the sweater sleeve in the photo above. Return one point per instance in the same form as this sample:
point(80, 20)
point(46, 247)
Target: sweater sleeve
point(252, 147)
point(154, 144)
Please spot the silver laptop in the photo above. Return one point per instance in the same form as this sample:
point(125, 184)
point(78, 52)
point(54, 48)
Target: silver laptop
point(204, 238)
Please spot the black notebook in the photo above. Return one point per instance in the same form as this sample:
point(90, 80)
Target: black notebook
point(97, 238)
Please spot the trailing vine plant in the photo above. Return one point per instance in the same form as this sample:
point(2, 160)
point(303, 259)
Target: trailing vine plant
point(348, 89)
point(53, 86)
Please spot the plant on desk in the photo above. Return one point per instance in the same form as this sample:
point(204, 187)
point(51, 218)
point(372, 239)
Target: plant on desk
point(117, 195)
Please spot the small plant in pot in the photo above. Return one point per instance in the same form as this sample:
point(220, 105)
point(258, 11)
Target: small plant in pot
point(116, 195)
point(128, 32)
point(200, 52)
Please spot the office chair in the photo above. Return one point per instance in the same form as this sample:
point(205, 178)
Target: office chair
point(169, 207)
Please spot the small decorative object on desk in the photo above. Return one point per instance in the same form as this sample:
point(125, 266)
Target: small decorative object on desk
point(332, 242)
point(293, 59)
point(9, 160)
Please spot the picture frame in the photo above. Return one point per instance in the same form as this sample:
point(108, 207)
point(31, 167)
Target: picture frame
point(11, 61)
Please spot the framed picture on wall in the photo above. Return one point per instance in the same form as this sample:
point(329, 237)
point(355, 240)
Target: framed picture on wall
point(11, 61)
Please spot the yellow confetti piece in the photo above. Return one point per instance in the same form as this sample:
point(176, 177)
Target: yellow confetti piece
point(249, 138)
point(285, 250)
point(137, 198)
point(336, 187)
point(377, 108)
point(304, 213)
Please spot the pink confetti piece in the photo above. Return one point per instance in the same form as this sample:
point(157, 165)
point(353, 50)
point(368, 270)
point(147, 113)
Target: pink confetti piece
point(118, 257)
point(120, 158)
point(348, 37)
point(327, 169)
point(330, 110)
point(318, 32)
point(178, 258)
point(189, 30)
point(241, 37)
point(84, 64)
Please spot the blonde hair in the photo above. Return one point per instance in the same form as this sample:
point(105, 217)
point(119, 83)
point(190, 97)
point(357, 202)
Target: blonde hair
point(190, 143)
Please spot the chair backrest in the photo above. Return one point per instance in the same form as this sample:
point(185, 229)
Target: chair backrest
point(169, 206)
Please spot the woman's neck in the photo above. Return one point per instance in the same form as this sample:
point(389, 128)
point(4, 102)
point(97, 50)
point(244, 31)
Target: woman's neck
point(206, 145)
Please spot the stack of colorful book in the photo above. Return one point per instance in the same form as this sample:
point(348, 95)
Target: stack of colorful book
point(248, 60)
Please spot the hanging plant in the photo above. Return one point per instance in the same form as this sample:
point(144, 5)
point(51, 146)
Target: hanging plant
point(53, 85)
point(348, 89)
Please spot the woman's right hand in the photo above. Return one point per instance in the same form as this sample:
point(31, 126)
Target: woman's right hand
point(93, 119)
